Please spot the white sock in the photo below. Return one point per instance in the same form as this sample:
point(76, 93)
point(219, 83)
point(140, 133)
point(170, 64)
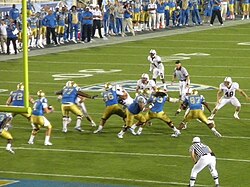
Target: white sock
point(78, 122)
point(65, 123)
point(47, 138)
point(100, 127)
point(32, 137)
point(8, 146)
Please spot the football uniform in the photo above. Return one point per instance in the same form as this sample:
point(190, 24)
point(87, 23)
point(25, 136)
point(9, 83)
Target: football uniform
point(69, 96)
point(156, 66)
point(5, 117)
point(150, 85)
point(194, 102)
point(133, 111)
point(228, 95)
point(38, 119)
point(110, 97)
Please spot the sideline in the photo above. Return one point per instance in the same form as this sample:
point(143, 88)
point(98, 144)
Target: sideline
point(118, 40)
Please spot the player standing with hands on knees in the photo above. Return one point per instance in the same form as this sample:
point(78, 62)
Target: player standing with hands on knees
point(203, 157)
point(226, 94)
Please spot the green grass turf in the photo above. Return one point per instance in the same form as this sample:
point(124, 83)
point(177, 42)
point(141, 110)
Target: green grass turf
point(143, 159)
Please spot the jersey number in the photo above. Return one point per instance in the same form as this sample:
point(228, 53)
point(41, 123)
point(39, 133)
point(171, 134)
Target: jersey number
point(229, 94)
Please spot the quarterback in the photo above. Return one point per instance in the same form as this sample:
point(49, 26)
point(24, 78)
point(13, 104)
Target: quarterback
point(38, 119)
point(226, 95)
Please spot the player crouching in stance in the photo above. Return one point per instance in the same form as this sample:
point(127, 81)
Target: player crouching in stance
point(202, 156)
point(226, 94)
point(5, 119)
point(194, 102)
point(38, 119)
point(68, 96)
point(110, 97)
point(133, 112)
point(157, 101)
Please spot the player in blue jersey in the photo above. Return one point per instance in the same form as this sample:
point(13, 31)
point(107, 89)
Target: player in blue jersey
point(38, 119)
point(133, 111)
point(16, 98)
point(110, 97)
point(195, 102)
point(5, 119)
point(68, 95)
point(156, 106)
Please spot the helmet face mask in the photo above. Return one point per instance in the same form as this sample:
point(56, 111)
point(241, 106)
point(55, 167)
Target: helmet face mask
point(144, 78)
point(107, 86)
point(228, 81)
point(20, 86)
point(152, 53)
point(40, 93)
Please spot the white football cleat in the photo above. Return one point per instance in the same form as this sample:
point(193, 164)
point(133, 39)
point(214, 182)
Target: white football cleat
point(236, 116)
point(132, 131)
point(30, 142)
point(96, 131)
point(48, 143)
point(10, 150)
point(79, 129)
point(176, 134)
point(64, 130)
point(120, 136)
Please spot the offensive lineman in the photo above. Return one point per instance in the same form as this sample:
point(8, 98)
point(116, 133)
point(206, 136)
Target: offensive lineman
point(226, 94)
point(156, 67)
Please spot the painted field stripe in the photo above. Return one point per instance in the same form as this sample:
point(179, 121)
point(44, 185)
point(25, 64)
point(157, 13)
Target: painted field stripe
point(118, 153)
point(7, 182)
point(98, 177)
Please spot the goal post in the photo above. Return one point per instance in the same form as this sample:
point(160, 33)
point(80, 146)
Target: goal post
point(26, 108)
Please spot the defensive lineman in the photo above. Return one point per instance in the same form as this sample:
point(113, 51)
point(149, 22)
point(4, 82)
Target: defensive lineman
point(202, 156)
point(156, 67)
point(226, 94)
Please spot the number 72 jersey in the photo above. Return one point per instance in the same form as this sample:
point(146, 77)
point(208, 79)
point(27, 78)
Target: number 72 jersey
point(229, 92)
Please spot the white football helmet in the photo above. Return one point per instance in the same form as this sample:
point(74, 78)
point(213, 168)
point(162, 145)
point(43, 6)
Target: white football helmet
point(20, 86)
point(118, 87)
point(152, 52)
point(228, 81)
point(196, 140)
point(144, 77)
point(107, 86)
point(40, 93)
point(189, 91)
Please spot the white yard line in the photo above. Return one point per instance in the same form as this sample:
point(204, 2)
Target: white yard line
point(98, 177)
point(118, 153)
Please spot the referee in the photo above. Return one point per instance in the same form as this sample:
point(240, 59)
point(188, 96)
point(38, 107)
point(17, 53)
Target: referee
point(182, 75)
point(202, 156)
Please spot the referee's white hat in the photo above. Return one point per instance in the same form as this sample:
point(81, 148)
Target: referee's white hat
point(196, 140)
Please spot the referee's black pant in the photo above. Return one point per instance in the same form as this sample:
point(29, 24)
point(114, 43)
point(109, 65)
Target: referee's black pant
point(214, 14)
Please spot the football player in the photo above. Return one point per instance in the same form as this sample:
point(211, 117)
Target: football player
point(110, 97)
point(69, 93)
point(156, 67)
point(16, 98)
point(5, 119)
point(145, 84)
point(226, 95)
point(194, 102)
point(133, 112)
point(38, 119)
point(124, 99)
point(157, 101)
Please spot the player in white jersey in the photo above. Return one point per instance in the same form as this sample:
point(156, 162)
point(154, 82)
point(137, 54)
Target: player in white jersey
point(156, 67)
point(226, 95)
point(145, 84)
point(125, 99)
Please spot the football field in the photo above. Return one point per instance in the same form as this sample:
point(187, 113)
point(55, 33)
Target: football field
point(153, 159)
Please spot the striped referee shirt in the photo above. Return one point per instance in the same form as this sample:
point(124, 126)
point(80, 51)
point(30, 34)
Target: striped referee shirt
point(181, 74)
point(199, 149)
